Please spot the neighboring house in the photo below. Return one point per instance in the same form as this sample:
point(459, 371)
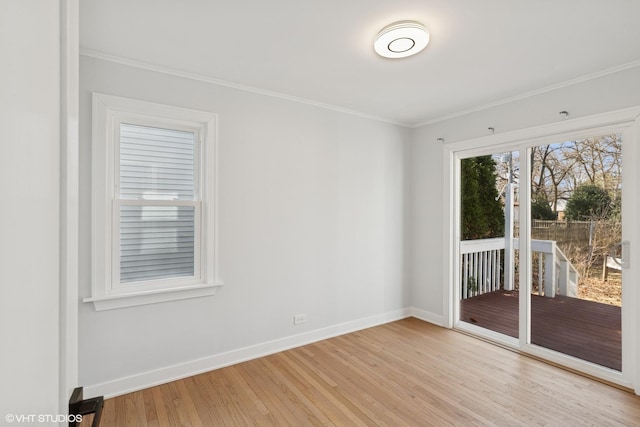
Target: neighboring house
point(560, 207)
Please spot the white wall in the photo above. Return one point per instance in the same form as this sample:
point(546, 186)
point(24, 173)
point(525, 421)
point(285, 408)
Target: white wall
point(311, 220)
point(29, 218)
point(425, 176)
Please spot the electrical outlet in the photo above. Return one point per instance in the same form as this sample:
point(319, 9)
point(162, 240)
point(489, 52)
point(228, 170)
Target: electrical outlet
point(299, 319)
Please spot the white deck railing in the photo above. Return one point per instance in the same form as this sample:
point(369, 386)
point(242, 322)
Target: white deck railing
point(556, 274)
point(482, 260)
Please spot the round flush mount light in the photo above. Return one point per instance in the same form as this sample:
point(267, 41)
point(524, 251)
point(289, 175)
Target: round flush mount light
point(401, 39)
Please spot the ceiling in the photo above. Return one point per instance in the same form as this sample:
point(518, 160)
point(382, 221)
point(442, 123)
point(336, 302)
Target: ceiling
point(480, 52)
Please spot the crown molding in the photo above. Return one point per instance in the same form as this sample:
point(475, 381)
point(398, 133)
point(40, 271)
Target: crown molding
point(219, 82)
point(530, 94)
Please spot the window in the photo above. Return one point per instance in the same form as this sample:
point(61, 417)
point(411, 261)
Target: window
point(153, 207)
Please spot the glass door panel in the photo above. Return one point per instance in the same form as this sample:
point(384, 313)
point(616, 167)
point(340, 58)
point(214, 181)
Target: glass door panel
point(576, 227)
point(488, 284)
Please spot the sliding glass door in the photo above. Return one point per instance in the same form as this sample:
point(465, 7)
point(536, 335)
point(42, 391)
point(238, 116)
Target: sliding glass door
point(541, 253)
point(488, 286)
point(576, 234)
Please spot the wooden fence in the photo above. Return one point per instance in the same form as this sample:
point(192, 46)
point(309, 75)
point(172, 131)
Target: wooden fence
point(577, 233)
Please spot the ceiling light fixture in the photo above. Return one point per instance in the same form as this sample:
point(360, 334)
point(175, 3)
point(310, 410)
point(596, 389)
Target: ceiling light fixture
point(401, 39)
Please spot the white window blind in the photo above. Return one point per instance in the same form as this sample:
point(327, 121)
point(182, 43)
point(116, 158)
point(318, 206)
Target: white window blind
point(157, 235)
point(156, 163)
point(156, 242)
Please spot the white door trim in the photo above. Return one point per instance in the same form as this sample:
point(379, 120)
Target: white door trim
point(69, 198)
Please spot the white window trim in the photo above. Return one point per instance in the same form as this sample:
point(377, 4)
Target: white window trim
point(108, 110)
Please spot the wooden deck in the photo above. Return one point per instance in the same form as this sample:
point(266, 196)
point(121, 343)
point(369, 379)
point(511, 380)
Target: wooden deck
point(585, 329)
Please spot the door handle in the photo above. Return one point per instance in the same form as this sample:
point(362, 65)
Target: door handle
point(623, 261)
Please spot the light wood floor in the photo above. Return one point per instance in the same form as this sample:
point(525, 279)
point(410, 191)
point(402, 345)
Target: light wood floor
point(405, 373)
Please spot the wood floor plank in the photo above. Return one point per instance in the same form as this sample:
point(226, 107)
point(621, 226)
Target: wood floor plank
point(158, 404)
point(262, 384)
point(295, 391)
point(427, 390)
point(140, 408)
point(195, 418)
point(150, 414)
point(234, 412)
point(208, 394)
point(408, 388)
point(346, 401)
point(380, 403)
point(324, 389)
point(405, 373)
point(252, 405)
point(174, 403)
point(200, 404)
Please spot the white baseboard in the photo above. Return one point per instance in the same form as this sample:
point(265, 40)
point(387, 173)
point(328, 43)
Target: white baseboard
point(427, 316)
point(155, 377)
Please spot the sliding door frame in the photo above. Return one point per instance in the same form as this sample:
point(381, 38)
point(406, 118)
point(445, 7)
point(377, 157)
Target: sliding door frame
point(626, 122)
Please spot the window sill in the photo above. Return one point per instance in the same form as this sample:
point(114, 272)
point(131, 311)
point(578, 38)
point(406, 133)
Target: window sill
point(111, 302)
